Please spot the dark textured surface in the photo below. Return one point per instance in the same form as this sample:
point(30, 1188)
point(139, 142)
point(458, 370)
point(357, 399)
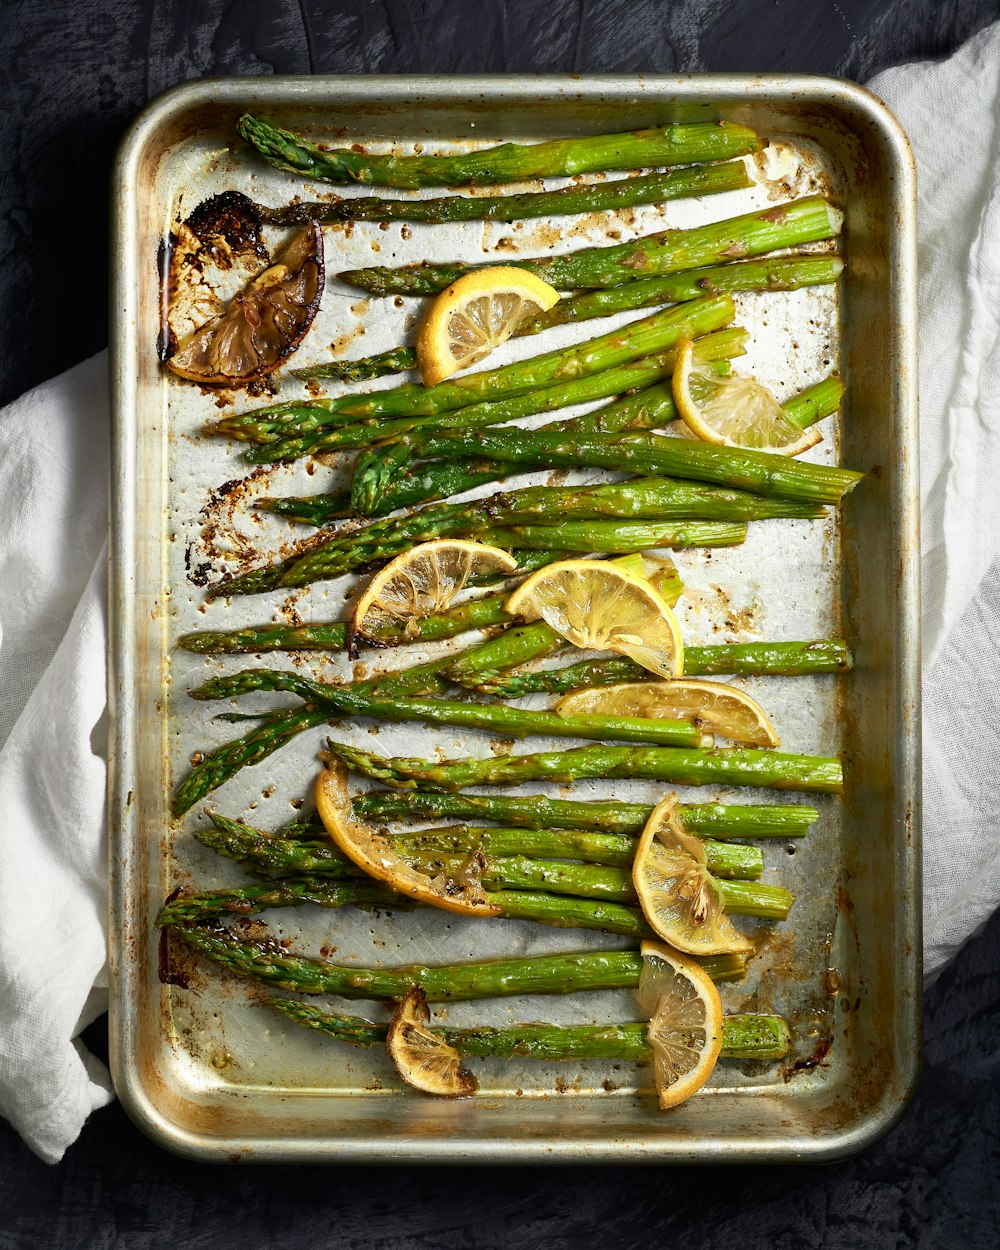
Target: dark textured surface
point(73, 76)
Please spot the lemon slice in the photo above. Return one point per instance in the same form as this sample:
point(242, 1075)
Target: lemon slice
point(476, 314)
point(604, 607)
point(685, 1022)
point(711, 705)
point(421, 581)
point(375, 855)
point(262, 325)
point(422, 1057)
point(678, 895)
point(734, 411)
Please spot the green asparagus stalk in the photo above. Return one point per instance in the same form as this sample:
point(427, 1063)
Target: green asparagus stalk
point(731, 860)
point(521, 872)
point(743, 1036)
point(484, 613)
point(266, 960)
point(617, 537)
point(510, 162)
point(641, 499)
point(815, 402)
point(538, 812)
point(250, 900)
point(547, 891)
point(362, 368)
point(329, 437)
point(555, 910)
point(784, 659)
point(398, 482)
point(769, 273)
point(680, 766)
point(591, 197)
point(657, 333)
point(805, 220)
point(781, 273)
point(412, 481)
point(275, 856)
point(290, 430)
point(514, 646)
point(649, 454)
point(336, 556)
point(497, 718)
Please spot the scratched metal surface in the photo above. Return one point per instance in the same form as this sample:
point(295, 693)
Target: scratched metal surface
point(218, 1045)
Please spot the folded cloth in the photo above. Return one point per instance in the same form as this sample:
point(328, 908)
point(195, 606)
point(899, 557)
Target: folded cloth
point(53, 510)
point(959, 259)
point(53, 886)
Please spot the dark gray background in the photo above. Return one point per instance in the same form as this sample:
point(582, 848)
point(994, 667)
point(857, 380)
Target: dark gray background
point(73, 75)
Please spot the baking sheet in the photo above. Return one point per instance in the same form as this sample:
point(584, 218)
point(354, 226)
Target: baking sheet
point(217, 1043)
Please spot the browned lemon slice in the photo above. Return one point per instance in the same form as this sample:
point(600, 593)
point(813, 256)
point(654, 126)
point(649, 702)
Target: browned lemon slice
point(678, 895)
point(422, 1057)
point(685, 1022)
point(713, 706)
point(734, 411)
point(262, 325)
point(422, 581)
point(375, 855)
point(603, 606)
point(475, 315)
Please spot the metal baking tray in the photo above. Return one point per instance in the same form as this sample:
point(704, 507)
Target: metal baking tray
point(204, 1070)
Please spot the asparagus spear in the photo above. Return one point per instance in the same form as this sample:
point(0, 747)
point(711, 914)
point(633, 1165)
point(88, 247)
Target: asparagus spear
point(289, 430)
point(329, 436)
point(557, 894)
point(618, 537)
point(780, 273)
point(641, 499)
point(806, 220)
point(590, 197)
point(333, 557)
point(758, 471)
point(786, 659)
point(743, 1036)
point(273, 855)
point(483, 613)
point(498, 718)
point(733, 767)
point(411, 481)
point(732, 860)
point(657, 333)
point(510, 162)
point(536, 811)
point(768, 273)
point(266, 960)
point(397, 480)
point(556, 911)
point(493, 655)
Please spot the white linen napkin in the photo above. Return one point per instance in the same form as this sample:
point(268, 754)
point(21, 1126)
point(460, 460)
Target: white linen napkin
point(53, 871)
point(53, 515)
point(959, 259)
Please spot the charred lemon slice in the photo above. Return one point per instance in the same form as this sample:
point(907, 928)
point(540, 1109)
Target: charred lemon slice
point(422, 1057)
point(685, 1022)
point(261, 326)
point(458, 890)
point(421, 581)
point(475, 315)
point(679, 897)
point(734, 411)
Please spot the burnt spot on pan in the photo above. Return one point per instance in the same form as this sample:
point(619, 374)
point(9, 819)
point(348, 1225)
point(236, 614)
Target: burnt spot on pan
point(221, 235)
